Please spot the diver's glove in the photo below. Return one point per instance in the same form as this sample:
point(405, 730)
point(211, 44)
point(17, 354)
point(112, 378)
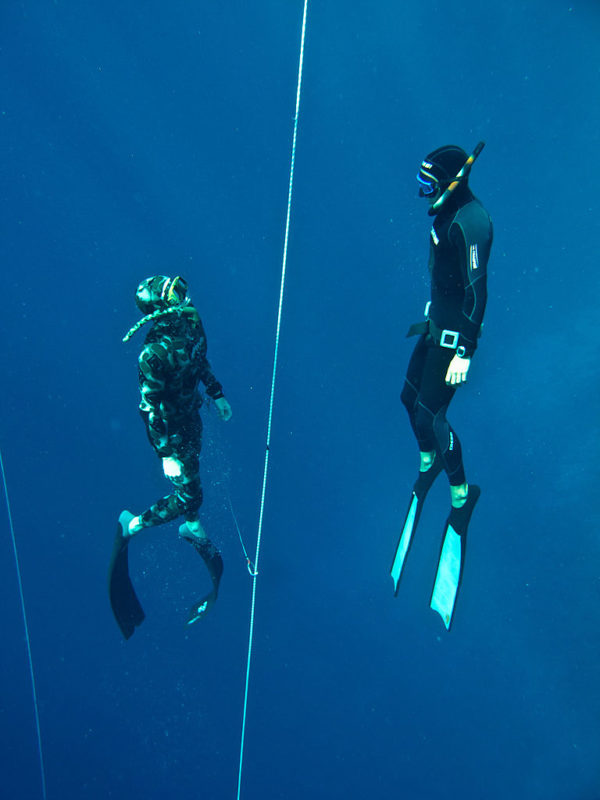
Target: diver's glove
point(223, 408)
point(172, 467)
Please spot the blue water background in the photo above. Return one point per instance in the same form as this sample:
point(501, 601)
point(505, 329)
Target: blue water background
point(143, 138)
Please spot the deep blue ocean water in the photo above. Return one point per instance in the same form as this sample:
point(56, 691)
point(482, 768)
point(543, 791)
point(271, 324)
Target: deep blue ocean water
point(143, 138)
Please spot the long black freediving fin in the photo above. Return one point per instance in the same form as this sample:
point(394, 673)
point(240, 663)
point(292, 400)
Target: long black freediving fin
point(452, 558)
point(214, 564)
point(125, 605)
point(417, 499)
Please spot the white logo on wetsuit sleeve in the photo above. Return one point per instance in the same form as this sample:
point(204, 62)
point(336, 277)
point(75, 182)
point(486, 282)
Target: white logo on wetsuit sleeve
point(434, 236)
point(473, 257)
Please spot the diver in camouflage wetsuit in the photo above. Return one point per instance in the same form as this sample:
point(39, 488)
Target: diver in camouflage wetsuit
point(172, 364)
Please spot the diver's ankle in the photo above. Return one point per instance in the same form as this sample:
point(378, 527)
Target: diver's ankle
point(427, 460)
point(135, 525)
point(459, 494)
point(195, 528)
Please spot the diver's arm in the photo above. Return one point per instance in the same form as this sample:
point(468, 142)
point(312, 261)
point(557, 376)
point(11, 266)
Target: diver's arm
point(215, 391)
point(213, 388)
point(152, 390)
point(471, 233)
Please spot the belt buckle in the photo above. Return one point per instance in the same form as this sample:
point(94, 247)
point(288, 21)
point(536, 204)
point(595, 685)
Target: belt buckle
point(449, 339)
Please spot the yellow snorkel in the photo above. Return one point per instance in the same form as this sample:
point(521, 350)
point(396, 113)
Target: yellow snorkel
point(462, 174)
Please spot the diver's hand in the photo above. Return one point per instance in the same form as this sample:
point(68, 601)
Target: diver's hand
point(171, 467)
point(223, 408)
point(457, 371)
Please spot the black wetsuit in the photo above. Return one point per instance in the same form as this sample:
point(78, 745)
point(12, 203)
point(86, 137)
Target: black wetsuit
point(171, 365)
point(461, 239)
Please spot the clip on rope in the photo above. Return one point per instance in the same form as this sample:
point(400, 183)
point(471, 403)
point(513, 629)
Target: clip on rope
point(272, 397)
point(27, 640)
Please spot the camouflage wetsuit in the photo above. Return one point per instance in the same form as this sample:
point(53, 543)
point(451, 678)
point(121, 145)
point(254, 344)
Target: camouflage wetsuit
point(171, 365)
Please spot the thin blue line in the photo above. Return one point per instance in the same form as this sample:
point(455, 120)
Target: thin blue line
point(27, 640)
point(272, 397)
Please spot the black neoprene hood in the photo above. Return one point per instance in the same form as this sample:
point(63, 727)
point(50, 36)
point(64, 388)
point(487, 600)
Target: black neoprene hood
point(445, 162)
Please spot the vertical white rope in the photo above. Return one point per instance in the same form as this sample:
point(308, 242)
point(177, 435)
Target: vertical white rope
point(27, 641)
point(272, 397)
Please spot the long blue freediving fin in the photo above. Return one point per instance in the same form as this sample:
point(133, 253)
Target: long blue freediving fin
point(452, 558)
point(417, 499)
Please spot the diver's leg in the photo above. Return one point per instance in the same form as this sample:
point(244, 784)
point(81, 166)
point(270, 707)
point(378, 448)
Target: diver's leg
point(434, 400)
point(164, 510)
point(415, 372)
point(429, 466)
point(431, 420)
point(410, 400)
point(184, 475)
point(190, 492)
point(190, 487)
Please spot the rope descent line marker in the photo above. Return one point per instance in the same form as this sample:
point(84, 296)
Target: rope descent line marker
point(26, 626)
point(254, 571)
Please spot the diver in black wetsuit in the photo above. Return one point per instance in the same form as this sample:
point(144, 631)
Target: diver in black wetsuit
point(171, 366)
point(460, 242)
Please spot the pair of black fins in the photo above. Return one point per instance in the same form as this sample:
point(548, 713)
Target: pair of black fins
point(452, 554)
point(126, 607)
